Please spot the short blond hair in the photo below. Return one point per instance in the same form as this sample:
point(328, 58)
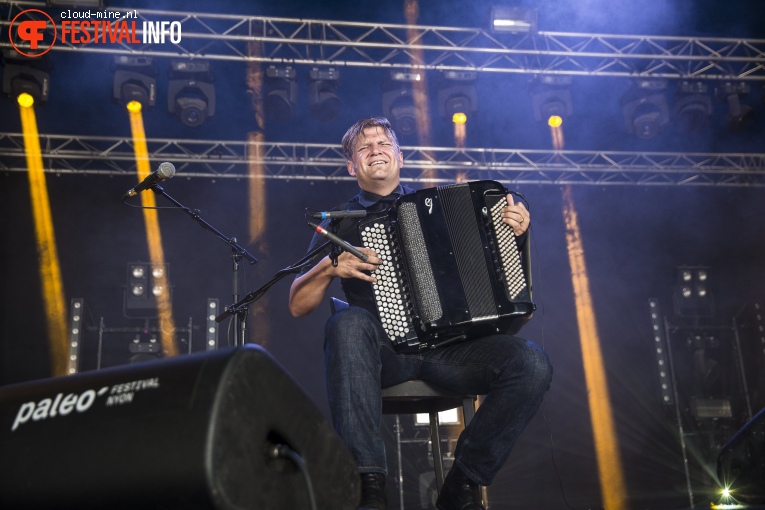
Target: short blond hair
point(356, 130)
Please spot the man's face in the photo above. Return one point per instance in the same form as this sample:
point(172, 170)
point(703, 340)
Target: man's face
point(376, 161)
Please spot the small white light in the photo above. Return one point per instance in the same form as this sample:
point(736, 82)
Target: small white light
point(137, 290)
point(158, 272)
point(138, 272)
point(157, 290)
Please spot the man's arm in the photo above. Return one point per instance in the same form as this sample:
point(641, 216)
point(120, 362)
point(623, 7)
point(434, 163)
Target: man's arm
point(307, 291)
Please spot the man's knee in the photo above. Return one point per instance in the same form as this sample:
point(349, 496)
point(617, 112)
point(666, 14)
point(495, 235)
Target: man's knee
point(537, 366)
point(349, 327)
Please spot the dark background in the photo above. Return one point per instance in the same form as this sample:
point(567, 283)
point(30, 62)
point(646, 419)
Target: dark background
point(634, 236)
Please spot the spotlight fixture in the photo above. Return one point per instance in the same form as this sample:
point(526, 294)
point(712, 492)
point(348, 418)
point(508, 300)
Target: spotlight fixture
point(323, 103)
point(740, 116)
point(25, 75)
point(645, 108)
point(551, 99)
point(190, 92)
point(281, 93)
point(693, 107)
point(515, 20)
point(457, 97)
point(134, 80)
point(398, 103)
point(691, 295)
point(145, 284)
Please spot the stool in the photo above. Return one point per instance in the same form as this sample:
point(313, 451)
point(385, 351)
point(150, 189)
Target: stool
point(414, 397)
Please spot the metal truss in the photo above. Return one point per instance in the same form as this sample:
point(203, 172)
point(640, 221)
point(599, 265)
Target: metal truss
point(391, 46)
point(222, 159)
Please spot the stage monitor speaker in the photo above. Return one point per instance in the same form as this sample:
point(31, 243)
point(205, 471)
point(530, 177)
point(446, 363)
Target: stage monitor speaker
point(197, 431)
point(741, 463)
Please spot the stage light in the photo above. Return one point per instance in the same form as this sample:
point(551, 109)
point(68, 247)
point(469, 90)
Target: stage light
point(134, 80)
point(398, 102)
point(555, 121)
point(323, 102)
point(25, 100)
point(515, 20)
point(551, 97)
point(146, 284)
point(646, 112)
point(134, 106)
point(693, 107)
point(691, 294)
point(22, 75)
point(281, 93)
point(666, 382)
point(190, 91)
point(740, 116)
point(459, 118)
point(456, 94)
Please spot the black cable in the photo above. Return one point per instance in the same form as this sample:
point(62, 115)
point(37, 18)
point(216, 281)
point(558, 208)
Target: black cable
point(284, 451)
point(538, 284)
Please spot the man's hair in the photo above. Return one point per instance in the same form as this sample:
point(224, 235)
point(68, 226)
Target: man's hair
point(356, 130)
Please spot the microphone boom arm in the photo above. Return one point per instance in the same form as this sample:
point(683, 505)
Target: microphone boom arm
point(238, 249)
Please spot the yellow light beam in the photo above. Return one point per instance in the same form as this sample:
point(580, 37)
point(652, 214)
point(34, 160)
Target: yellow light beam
point(257, 189)
point(606, 445)
point(153, 234)
point(50, 269)
point(419, 88)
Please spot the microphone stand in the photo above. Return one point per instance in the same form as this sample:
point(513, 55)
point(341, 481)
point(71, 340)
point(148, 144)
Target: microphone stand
point(256, 294)
point(237, 252)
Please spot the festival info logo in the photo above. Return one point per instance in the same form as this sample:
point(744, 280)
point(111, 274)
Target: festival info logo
point(33, 32)
point(31, 28)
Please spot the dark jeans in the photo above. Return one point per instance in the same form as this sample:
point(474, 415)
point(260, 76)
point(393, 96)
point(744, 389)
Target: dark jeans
point(513, 373)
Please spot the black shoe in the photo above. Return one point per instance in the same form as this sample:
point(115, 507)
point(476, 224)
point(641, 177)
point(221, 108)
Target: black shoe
point(459, 492)
point(373, 492)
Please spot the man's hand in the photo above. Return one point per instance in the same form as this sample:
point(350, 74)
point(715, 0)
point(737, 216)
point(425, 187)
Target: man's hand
point(350, 266)
point(516, 215)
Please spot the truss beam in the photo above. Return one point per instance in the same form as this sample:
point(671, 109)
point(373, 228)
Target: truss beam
point(378, 45)
point(227, 159)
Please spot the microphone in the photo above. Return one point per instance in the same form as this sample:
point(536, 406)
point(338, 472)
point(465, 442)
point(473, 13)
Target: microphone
point(345, 245)
point(165, 171)
point(339, 214)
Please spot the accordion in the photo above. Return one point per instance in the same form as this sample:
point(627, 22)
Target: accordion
point(451, 267)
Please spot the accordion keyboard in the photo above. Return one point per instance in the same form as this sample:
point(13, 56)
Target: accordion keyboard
point(391, 293)
point(512, 270)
